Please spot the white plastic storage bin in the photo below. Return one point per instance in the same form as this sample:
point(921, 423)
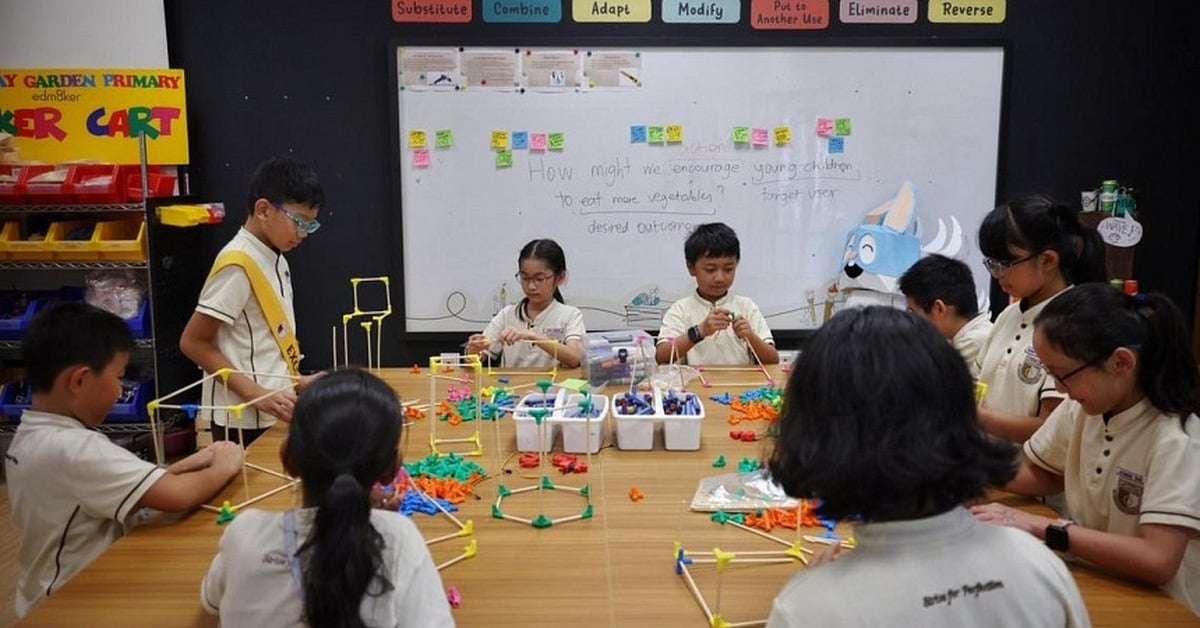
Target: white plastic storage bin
point(681, 431)
point(579, 434)
point(527, 427)
point(635, 431)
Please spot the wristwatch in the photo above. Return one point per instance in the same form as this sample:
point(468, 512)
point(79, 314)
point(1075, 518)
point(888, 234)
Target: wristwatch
point(1057, 538)
point(694, 334)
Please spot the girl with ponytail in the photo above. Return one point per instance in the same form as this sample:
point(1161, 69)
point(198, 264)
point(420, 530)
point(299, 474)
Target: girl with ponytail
point(335, 561)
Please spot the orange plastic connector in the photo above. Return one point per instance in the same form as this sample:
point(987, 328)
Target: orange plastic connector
point(635, 495)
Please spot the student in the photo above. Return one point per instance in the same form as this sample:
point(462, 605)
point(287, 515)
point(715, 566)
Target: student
point(336, 561)
point(1125, 446)
point(879, 424)
point(540, 327)
point(73, 491)
point(713, 326)
point(1035, 249)
point(244, 319)
point(941, 290)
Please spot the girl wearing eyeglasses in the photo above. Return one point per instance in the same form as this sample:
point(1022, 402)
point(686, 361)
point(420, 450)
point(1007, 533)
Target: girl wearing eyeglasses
point(541, 328)
point(1036, 249)
point(1125, 446)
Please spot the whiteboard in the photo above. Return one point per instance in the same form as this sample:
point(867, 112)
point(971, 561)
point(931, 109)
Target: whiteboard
point(621, 209)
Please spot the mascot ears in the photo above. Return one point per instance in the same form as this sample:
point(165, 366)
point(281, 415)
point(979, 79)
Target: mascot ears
point(895, 213)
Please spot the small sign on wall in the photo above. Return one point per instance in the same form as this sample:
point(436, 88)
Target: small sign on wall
point(1123, 232)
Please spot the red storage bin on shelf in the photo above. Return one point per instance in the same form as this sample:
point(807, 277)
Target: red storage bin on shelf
point(157, 184)
point(96, 184)
point(45, 185)
point(8, 186)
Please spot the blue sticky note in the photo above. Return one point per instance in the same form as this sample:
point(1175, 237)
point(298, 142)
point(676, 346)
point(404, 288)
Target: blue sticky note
point(637, 134)
point(837, 145)
point(520, 140)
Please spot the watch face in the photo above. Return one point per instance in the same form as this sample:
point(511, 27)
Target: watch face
point(1056, 538)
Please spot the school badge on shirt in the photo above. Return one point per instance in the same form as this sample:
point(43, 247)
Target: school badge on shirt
point(1030, 370)
point(1127, 496)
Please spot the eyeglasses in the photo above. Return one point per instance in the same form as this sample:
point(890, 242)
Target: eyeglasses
point(999, 268)
point(535, 280)
point(307, 226)
point(1062, 379)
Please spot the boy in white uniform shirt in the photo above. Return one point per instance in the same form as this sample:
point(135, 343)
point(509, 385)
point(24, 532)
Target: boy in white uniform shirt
point(74, 492)
point(713, 326)
point(941, 290)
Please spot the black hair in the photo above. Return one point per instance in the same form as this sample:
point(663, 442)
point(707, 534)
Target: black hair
point(1036, 224)
point(551, 253)
point(711, 239)
point(286, 180)
point(344, 437)
point(68, 334)
point(939, 277)
point(1091, 321)
point(879, 421)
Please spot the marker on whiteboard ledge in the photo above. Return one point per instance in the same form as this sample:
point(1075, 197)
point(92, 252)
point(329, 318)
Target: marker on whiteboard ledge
point(632, 78)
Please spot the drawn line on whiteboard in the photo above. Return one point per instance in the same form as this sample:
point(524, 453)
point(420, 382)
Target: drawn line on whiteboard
point(594, 212)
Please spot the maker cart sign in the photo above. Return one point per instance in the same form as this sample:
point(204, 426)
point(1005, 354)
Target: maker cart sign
point(64, 115)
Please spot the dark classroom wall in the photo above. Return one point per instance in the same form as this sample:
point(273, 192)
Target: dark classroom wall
point(1094, 90)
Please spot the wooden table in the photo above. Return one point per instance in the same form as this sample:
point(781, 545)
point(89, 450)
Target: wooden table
point(614, 569)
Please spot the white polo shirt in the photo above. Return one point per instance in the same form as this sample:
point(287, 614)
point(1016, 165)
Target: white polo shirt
point(948, 570)
point(558, 321)
point(971, 338)
point(72, 492)
point(723, 348)
point(1007, 363)
point(245, 338)
point(1142, 466)
point(250, 581)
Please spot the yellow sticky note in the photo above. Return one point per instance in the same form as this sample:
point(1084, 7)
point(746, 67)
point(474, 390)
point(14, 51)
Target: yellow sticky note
point(499, 140)
point(783, 135)
point(416, 139)
point(674, 133)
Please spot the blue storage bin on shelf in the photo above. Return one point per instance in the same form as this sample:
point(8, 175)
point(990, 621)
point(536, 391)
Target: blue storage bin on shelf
point(139, 323)
point(14, 399)
point(17, 308)
point(131, 405)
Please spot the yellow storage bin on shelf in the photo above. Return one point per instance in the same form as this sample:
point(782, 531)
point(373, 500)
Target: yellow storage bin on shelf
point(122, 240)
point(68, 244)
point(22, 249)
point(11, 231)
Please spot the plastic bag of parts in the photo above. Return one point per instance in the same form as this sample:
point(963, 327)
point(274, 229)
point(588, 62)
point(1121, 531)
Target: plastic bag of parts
point(617, 357)
point(734, 492)
point(117, 291)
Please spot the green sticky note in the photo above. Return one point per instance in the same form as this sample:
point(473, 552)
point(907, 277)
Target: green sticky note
point(443, 138)
point(504, 159)
point(841, 126)
point(741, 135)
point(573, 384)
point(557, 140)
point(658, 134)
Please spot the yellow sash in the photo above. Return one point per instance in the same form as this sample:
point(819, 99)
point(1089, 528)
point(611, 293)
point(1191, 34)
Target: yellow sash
point(268, 300)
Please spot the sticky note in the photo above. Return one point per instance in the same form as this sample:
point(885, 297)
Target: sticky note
point(443, 138)
point(759, 137)
point(741, 135)
point(504, 158)
point(416, 139)
point(499, 140)
point(783, 135)
point(520, 140)
point(537, 141)
point(841, 126)
point(557, 140)
point(824, 127)
point(674, 133)
point(421, 158)
point(657, 134)
point(837, 145)
point(637, 134)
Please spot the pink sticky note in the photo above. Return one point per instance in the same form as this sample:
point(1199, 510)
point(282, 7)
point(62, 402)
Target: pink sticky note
point(421, 158)
point(537, 141)
point(824, 127)
point(760, 137)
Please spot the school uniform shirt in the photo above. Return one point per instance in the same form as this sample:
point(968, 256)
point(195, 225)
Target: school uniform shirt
point(1007, 363)
point(1140, 466)
point(971, 338)
point(245, 338)
point(947, 570)
point(723, 347)
point(251, 583)
point(73, 492)
point(558, 321)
